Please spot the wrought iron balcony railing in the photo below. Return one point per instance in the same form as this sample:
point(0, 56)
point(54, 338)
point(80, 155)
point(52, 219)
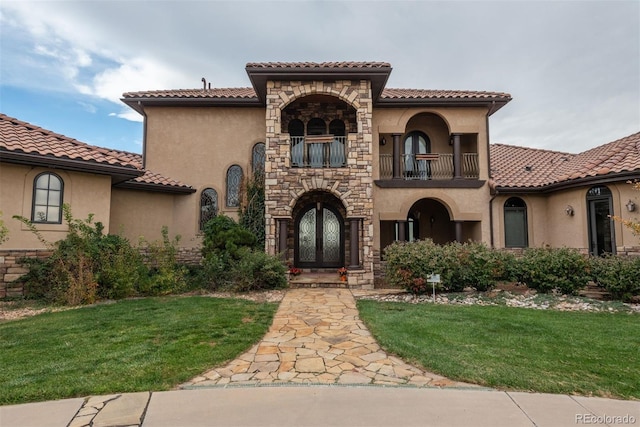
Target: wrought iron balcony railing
point(318, 151)
point(431, 166)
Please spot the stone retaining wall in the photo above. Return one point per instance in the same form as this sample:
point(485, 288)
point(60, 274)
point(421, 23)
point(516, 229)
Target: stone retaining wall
point(11, 269)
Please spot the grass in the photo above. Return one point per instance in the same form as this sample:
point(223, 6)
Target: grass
point(514, 348)
point(128, 346)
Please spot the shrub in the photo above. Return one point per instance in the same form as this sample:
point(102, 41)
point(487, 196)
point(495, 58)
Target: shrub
point(562, 270)
point(471, 264)
point(225, 237)
point(233, 260)
point(256, 270)
point(618, 275)
point(166, 275)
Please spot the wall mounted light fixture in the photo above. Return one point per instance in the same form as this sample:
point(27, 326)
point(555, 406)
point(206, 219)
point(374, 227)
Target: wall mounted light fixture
point(631, 206)
point(569, 210)
point(383, 141)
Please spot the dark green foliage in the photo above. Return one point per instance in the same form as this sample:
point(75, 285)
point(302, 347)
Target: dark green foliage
point(167, 276)
point(561, 270)
point(224, 237)
point(619, 275)
point(471, 264)
point(232, 259)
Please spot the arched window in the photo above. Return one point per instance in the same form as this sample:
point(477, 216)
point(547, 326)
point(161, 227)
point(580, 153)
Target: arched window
point(258, 158)
point(337, 128)
point(48, 190)
point(515, 223)
point(296, 132)
point(234, 181)
point(208, 206)
point(296, 128)
point(416, 143)
point(316, 126)
point(599, 211)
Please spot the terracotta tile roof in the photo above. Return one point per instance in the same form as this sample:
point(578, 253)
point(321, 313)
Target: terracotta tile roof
point(618, 156)
point(521, 167)
point(22, 137)
point(17, 137)
point(305, 65)
point(213, 93)
point(249, 93)
point(441, 94)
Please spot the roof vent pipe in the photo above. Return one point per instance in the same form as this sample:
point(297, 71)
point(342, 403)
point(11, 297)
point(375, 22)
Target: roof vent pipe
point(204, 83)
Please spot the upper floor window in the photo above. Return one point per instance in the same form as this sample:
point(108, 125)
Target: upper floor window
point(48, 190)
point(515, 223)
point(208, 206)
point(337, 128)
point(296, 127)
point(416, 143)
point(234, 181)
point(316, 126)
point(258, 158)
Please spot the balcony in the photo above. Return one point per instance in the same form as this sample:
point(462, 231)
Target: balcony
point(430, 170)
point(318, 151)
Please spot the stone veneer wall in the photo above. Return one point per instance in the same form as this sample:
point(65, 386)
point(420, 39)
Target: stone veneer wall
point(11, 269)
point(353, 185)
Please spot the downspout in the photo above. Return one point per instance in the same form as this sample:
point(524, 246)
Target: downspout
point(144, 136)
point(491, 220)
point(491, 238)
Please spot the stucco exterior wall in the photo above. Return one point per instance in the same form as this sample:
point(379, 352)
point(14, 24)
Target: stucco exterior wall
point(549, 224)
point(196, 146)
point(85, 193)
point(142, 214)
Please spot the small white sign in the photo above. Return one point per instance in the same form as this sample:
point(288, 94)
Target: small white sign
point(435, 278)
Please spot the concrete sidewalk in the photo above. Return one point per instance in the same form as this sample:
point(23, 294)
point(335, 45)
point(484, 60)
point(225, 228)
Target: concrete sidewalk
point(324, 405)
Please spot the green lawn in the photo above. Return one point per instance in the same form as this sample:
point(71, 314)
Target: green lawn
point(131, 345)
point(514, 348)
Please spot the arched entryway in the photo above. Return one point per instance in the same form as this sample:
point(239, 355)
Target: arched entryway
point(319, 231)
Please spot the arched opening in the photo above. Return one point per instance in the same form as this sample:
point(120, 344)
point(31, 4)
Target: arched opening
point(319, 232)
point(599, 211)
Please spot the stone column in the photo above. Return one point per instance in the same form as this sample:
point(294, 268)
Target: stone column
point(402, 230)
point(457, 157)
point(355, 243)
point(283, 233)
point(459, 231)
point(396, 156)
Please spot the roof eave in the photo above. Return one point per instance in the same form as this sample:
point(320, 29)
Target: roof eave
point(159, 188)
point(259, 77)
point(493, 104)
point(117, 173)
point(573, 183)
point(138, 103)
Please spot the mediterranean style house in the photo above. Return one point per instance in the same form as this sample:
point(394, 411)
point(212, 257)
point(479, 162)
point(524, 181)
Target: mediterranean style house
point(349, 167)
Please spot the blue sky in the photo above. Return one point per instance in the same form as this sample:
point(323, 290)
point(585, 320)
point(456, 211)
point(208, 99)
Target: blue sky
point(572, 67)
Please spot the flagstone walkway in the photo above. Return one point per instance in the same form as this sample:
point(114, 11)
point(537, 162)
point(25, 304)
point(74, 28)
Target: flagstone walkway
point(317, 338)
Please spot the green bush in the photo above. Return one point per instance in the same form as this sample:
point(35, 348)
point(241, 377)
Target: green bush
point(471, 264)
point(256, 270)
point(166, 275)
point(618, 275)
point(225, 237)
point(562, 270)
point(232, 259)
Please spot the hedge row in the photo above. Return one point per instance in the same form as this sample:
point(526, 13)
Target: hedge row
point(474, 265)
